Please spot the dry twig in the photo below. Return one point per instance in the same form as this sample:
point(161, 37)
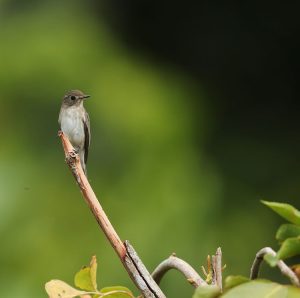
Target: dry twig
point(176, 263)
point(218, 268)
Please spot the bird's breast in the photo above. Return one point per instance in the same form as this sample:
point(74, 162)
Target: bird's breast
point(72, 126)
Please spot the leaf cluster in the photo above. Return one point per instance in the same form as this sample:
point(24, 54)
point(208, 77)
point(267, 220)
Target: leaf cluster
point(86, 280)
point(288, 236)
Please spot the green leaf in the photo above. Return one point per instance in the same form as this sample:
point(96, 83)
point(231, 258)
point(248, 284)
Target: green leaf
point(289, 248)
point(286, 211)
point(58, 288)
point(262, 289)
point(287, 231)
point(116, 292)
point(85, 279)
point(207, 292)
point(235, 280)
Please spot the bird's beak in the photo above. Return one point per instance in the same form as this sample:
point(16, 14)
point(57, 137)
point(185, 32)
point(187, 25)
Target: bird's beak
point(85, 96)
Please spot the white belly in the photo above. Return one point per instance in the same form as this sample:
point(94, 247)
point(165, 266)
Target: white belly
point(72, 126)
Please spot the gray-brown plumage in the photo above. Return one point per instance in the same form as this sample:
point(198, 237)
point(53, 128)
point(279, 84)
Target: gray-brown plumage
point(75, 123)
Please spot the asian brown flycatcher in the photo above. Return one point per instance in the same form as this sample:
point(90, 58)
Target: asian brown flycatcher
point(75, 123)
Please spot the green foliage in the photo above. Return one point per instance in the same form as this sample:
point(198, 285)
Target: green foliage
point(262, 289)
point(207, 292)
point(235, 280)
point(239, 286)
point(286, 211)
point(85, 279)
point(289, 248)
point(288, 236)
point(116, 292)
point(287, 231)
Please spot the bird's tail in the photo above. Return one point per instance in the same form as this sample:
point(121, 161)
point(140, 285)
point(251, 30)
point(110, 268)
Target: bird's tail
point(83, 165)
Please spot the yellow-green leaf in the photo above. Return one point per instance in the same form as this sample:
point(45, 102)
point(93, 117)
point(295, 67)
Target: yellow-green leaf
point(93, 266)
point(208, 291)
point(235, 280)
point(85, 278)
point(262, 289)
point(116, 292)
point(60, 289)
point(286, 211)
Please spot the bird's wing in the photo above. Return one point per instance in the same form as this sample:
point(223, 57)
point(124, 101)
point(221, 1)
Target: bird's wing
point(87, 135)
point(59, 117)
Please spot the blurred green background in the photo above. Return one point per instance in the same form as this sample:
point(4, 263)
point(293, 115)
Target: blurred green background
point(187, 137)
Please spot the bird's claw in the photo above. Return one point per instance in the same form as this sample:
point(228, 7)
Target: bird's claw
point(73, 153)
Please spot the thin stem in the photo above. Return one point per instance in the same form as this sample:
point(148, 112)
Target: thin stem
point(213, 267)
point(285, 270)
point(176, 263)
point(90, 197)
point(218, 268)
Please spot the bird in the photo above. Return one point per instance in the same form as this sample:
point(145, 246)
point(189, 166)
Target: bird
point(75, 124)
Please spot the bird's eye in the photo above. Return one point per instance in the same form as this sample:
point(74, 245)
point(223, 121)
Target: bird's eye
point(73, 97)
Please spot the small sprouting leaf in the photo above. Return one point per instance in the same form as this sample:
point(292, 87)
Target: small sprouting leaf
point(287, 231)
point(289, 248)
point(85, 278)
point(116, 292)
point(286, 211)
point(262, 289)
point(93, 265)
point(208, 291)
point(271, 260)
point(235, 280)
point(60, 289)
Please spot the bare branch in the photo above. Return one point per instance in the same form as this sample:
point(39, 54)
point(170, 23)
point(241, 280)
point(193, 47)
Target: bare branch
point(213, 267)
point(176, 263)
point(137, 275)
point(218, 268)
point(285, 270)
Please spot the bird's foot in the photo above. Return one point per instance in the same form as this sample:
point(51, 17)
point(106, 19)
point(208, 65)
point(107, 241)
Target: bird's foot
point(73, 153)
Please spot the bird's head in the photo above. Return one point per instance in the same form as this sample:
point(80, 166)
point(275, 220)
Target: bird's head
point(74, 97)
